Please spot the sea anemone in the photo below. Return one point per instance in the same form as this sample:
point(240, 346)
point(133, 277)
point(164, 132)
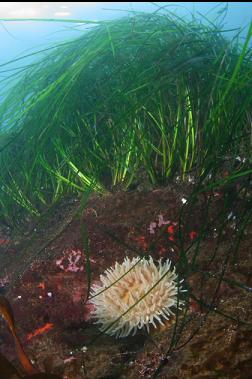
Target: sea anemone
point(135, 294)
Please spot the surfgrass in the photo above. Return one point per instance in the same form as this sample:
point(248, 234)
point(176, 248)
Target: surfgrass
point(148, 92)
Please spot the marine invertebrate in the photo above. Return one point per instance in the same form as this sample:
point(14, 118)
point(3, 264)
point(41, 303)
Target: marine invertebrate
point(135, 294)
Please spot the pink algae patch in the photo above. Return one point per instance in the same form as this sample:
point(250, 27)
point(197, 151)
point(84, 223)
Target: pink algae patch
point(161, 222)
point(71, 261)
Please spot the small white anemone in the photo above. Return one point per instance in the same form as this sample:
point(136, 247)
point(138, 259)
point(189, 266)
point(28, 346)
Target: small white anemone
point(127, 301)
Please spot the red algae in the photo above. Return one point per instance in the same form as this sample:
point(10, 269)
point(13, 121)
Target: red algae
point(39, 331)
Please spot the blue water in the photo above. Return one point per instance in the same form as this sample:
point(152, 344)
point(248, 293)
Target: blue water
point(17, 38)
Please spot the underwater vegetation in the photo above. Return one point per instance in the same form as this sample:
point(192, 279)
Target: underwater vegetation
point(148, 96)
point(133, 140)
